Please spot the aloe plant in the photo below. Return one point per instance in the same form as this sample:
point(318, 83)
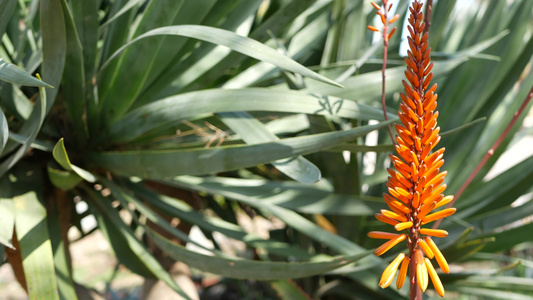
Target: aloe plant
point(203, 111)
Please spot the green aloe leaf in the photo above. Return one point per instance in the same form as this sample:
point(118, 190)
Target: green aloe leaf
point(129, 5)
point(54, 47)
point(254, 132)
point(29, 131)
point(179, 209)
point(13, 74)
point(246, 269)
point(289, 290)
point(137, 248)
point(233, 41)
point(7, 211)
point(312, 199)
point(169, 111)
point(233, 267)
point(136, 62)
point(291, 218)
point(7, 7)
point(160, 164)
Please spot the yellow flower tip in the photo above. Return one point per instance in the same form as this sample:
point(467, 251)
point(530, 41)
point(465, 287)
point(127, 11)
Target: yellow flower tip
point(421, 271)
point(389, 244)
point(403, 273)
point(372, 28)
point(434, 232)
point(403, 225)
point(437, 284)
point(443, 264)
point(438, 215)
point(424, 246)
point(444, 201)
point(390, 271)
point(382, 235)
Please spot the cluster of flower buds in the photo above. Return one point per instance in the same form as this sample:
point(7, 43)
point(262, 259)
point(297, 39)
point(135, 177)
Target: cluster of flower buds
point(383, 15)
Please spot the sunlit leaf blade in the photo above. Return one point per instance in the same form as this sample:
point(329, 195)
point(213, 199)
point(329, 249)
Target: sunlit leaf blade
point(65, 284)
point(32, 233)
point(161, 164)
point(13, 74)
point(7, 211)
point(61, 156)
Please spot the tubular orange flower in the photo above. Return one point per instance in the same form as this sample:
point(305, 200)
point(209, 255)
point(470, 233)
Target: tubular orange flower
point(416, 185)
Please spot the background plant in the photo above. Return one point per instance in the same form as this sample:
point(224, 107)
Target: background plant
point(133, 78)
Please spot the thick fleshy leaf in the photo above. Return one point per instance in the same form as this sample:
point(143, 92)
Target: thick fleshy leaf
point(318, 198)
point(247, 269)
point(6, 10)
point(136, 62)
point(229, 267)
point(170, 112)
point(254, 132)
point(137, 248)
point(29, 131)
point(54, 47)
point(179, 209)
point(13, 74)
point(235, 42)
point(161, 164)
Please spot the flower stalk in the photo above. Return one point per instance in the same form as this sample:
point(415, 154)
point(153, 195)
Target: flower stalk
point(415, 185)
point(386, 35)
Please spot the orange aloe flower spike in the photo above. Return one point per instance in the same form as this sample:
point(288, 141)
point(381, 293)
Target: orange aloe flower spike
point(416, 185)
